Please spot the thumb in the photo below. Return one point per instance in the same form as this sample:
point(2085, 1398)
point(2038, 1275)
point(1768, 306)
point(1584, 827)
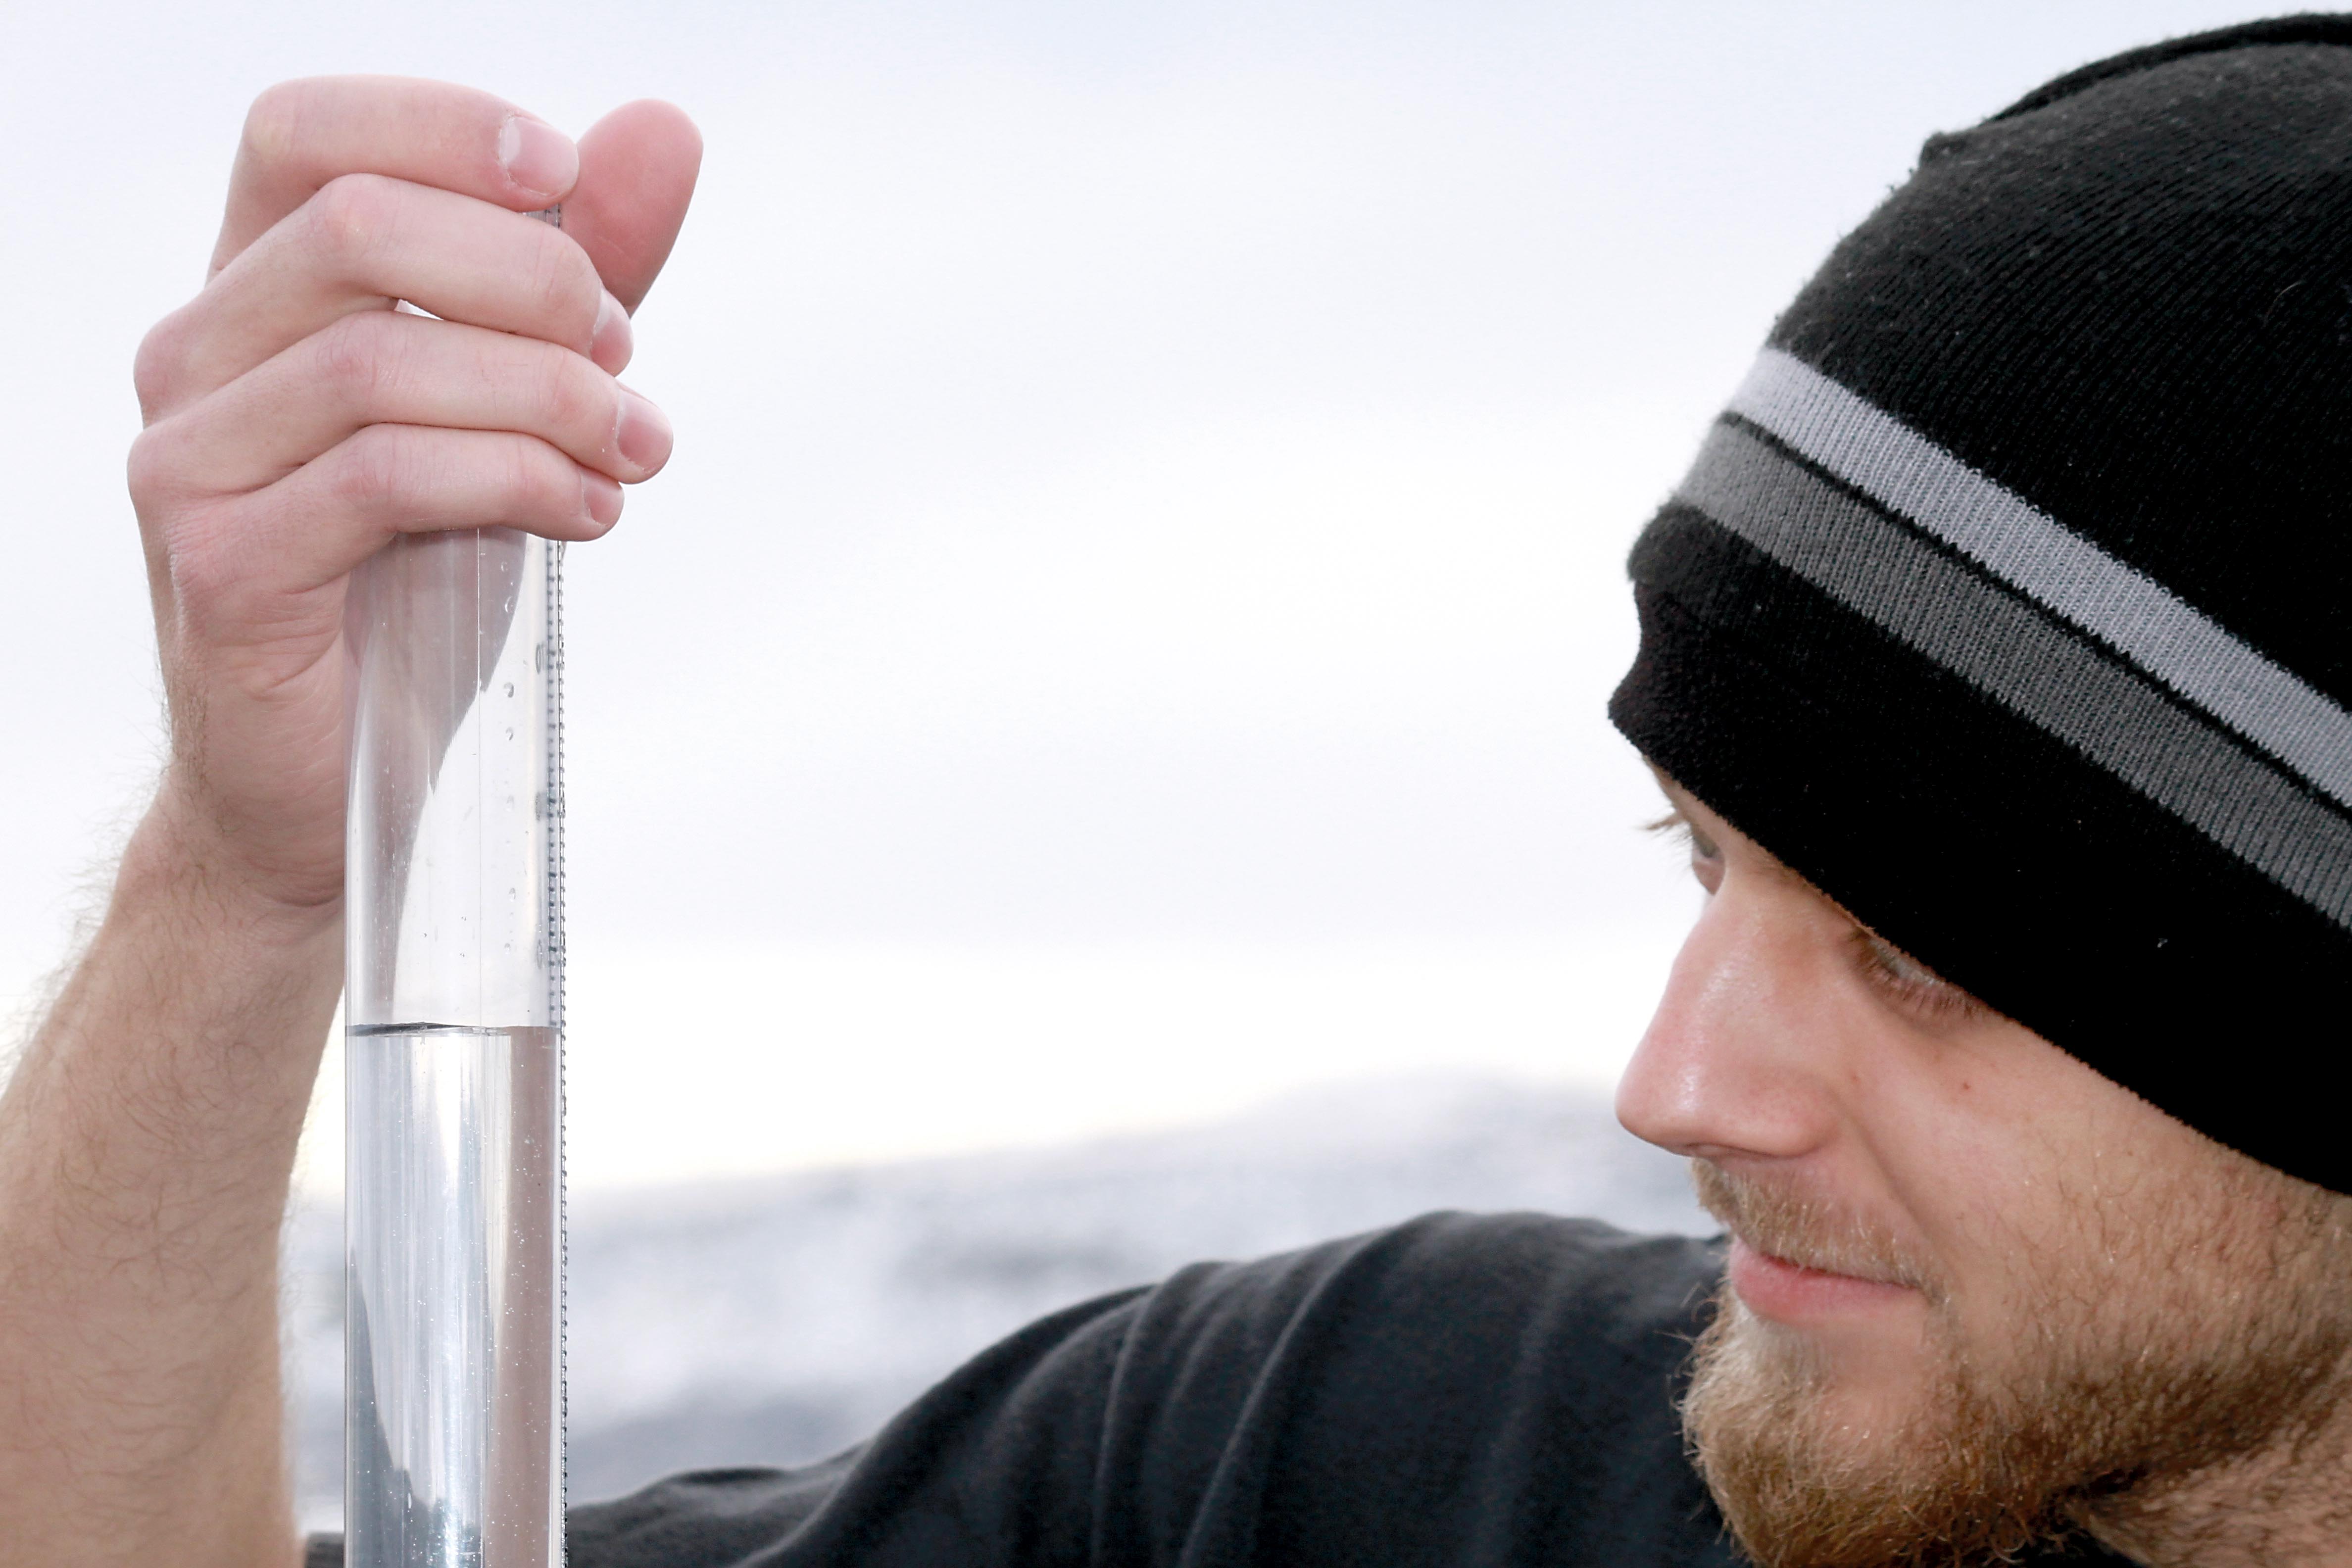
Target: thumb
point(637, 167)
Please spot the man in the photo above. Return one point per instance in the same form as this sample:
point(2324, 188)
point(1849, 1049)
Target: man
point(1993, 662)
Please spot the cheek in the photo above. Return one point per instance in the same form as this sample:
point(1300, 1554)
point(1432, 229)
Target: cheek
point(1989, 1164)
point(2056, 1204)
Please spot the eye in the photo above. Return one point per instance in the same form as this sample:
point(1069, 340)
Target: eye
point(1706, 855)
point(1909, 983)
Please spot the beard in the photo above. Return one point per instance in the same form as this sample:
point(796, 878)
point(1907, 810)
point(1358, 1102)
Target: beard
point(2212, 1342)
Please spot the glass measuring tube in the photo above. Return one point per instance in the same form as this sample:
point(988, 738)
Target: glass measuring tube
point(454, 1181)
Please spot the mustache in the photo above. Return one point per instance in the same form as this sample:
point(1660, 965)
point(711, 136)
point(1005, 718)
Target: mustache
point(1808, 1231)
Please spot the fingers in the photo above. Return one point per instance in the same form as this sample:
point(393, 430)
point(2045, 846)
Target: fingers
point(379, 368)
point(298, 422)
point(296, 425)
point(360, 243)
point(637, 168)
point(235, 566)
point(299, 135)
point(634, 172)
point(351, 191)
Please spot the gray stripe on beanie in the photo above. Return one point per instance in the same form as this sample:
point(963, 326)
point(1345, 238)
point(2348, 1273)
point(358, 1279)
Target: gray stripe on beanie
point(2030, 662)
point(2139, 617)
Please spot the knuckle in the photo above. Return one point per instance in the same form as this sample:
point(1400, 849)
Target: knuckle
point(369, 467)
point(155, 367)
point(350, 215)
point(523, 472)
point(275, 122)
point(564, 286)
point(538, 480)
point(356, 355)
point(149, 469)
point(569, 397)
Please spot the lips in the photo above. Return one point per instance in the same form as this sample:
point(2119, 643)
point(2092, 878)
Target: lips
point(1792, 1293)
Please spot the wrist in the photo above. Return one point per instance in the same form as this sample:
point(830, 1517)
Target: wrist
point(179, 855)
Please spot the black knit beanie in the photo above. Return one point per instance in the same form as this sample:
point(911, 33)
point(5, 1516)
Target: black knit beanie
point(2011, 600)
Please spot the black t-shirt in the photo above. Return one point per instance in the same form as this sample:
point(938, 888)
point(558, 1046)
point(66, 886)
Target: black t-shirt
point(1463, 1391)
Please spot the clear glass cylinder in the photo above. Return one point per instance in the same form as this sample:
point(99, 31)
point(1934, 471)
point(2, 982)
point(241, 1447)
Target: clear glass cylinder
point(453, 1012)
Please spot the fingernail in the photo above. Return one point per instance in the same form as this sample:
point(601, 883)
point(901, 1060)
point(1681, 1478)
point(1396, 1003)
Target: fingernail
point(641, 432)
point(602, 496)
point(614, 340)
point(538, 157)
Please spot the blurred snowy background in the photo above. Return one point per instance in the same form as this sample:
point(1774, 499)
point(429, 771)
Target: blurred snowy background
point(1119, 650)
point(777, 1321)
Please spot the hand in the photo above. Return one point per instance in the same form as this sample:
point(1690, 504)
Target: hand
point(296, 423)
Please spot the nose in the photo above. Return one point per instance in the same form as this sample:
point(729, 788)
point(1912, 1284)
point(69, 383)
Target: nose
point(1736, 1063)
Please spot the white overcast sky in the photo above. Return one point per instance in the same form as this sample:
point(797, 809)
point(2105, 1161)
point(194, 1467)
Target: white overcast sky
point(1151, 483)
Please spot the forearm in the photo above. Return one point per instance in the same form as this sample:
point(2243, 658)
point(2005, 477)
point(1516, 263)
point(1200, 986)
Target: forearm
point(146, 1142)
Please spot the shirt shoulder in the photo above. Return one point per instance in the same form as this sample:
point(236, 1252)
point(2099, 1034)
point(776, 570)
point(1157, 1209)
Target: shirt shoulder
point(1461, 1389)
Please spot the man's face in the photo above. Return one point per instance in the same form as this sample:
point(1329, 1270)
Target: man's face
point(1976, 1292)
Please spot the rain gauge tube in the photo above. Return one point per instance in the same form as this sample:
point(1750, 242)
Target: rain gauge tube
point(453, 1424)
